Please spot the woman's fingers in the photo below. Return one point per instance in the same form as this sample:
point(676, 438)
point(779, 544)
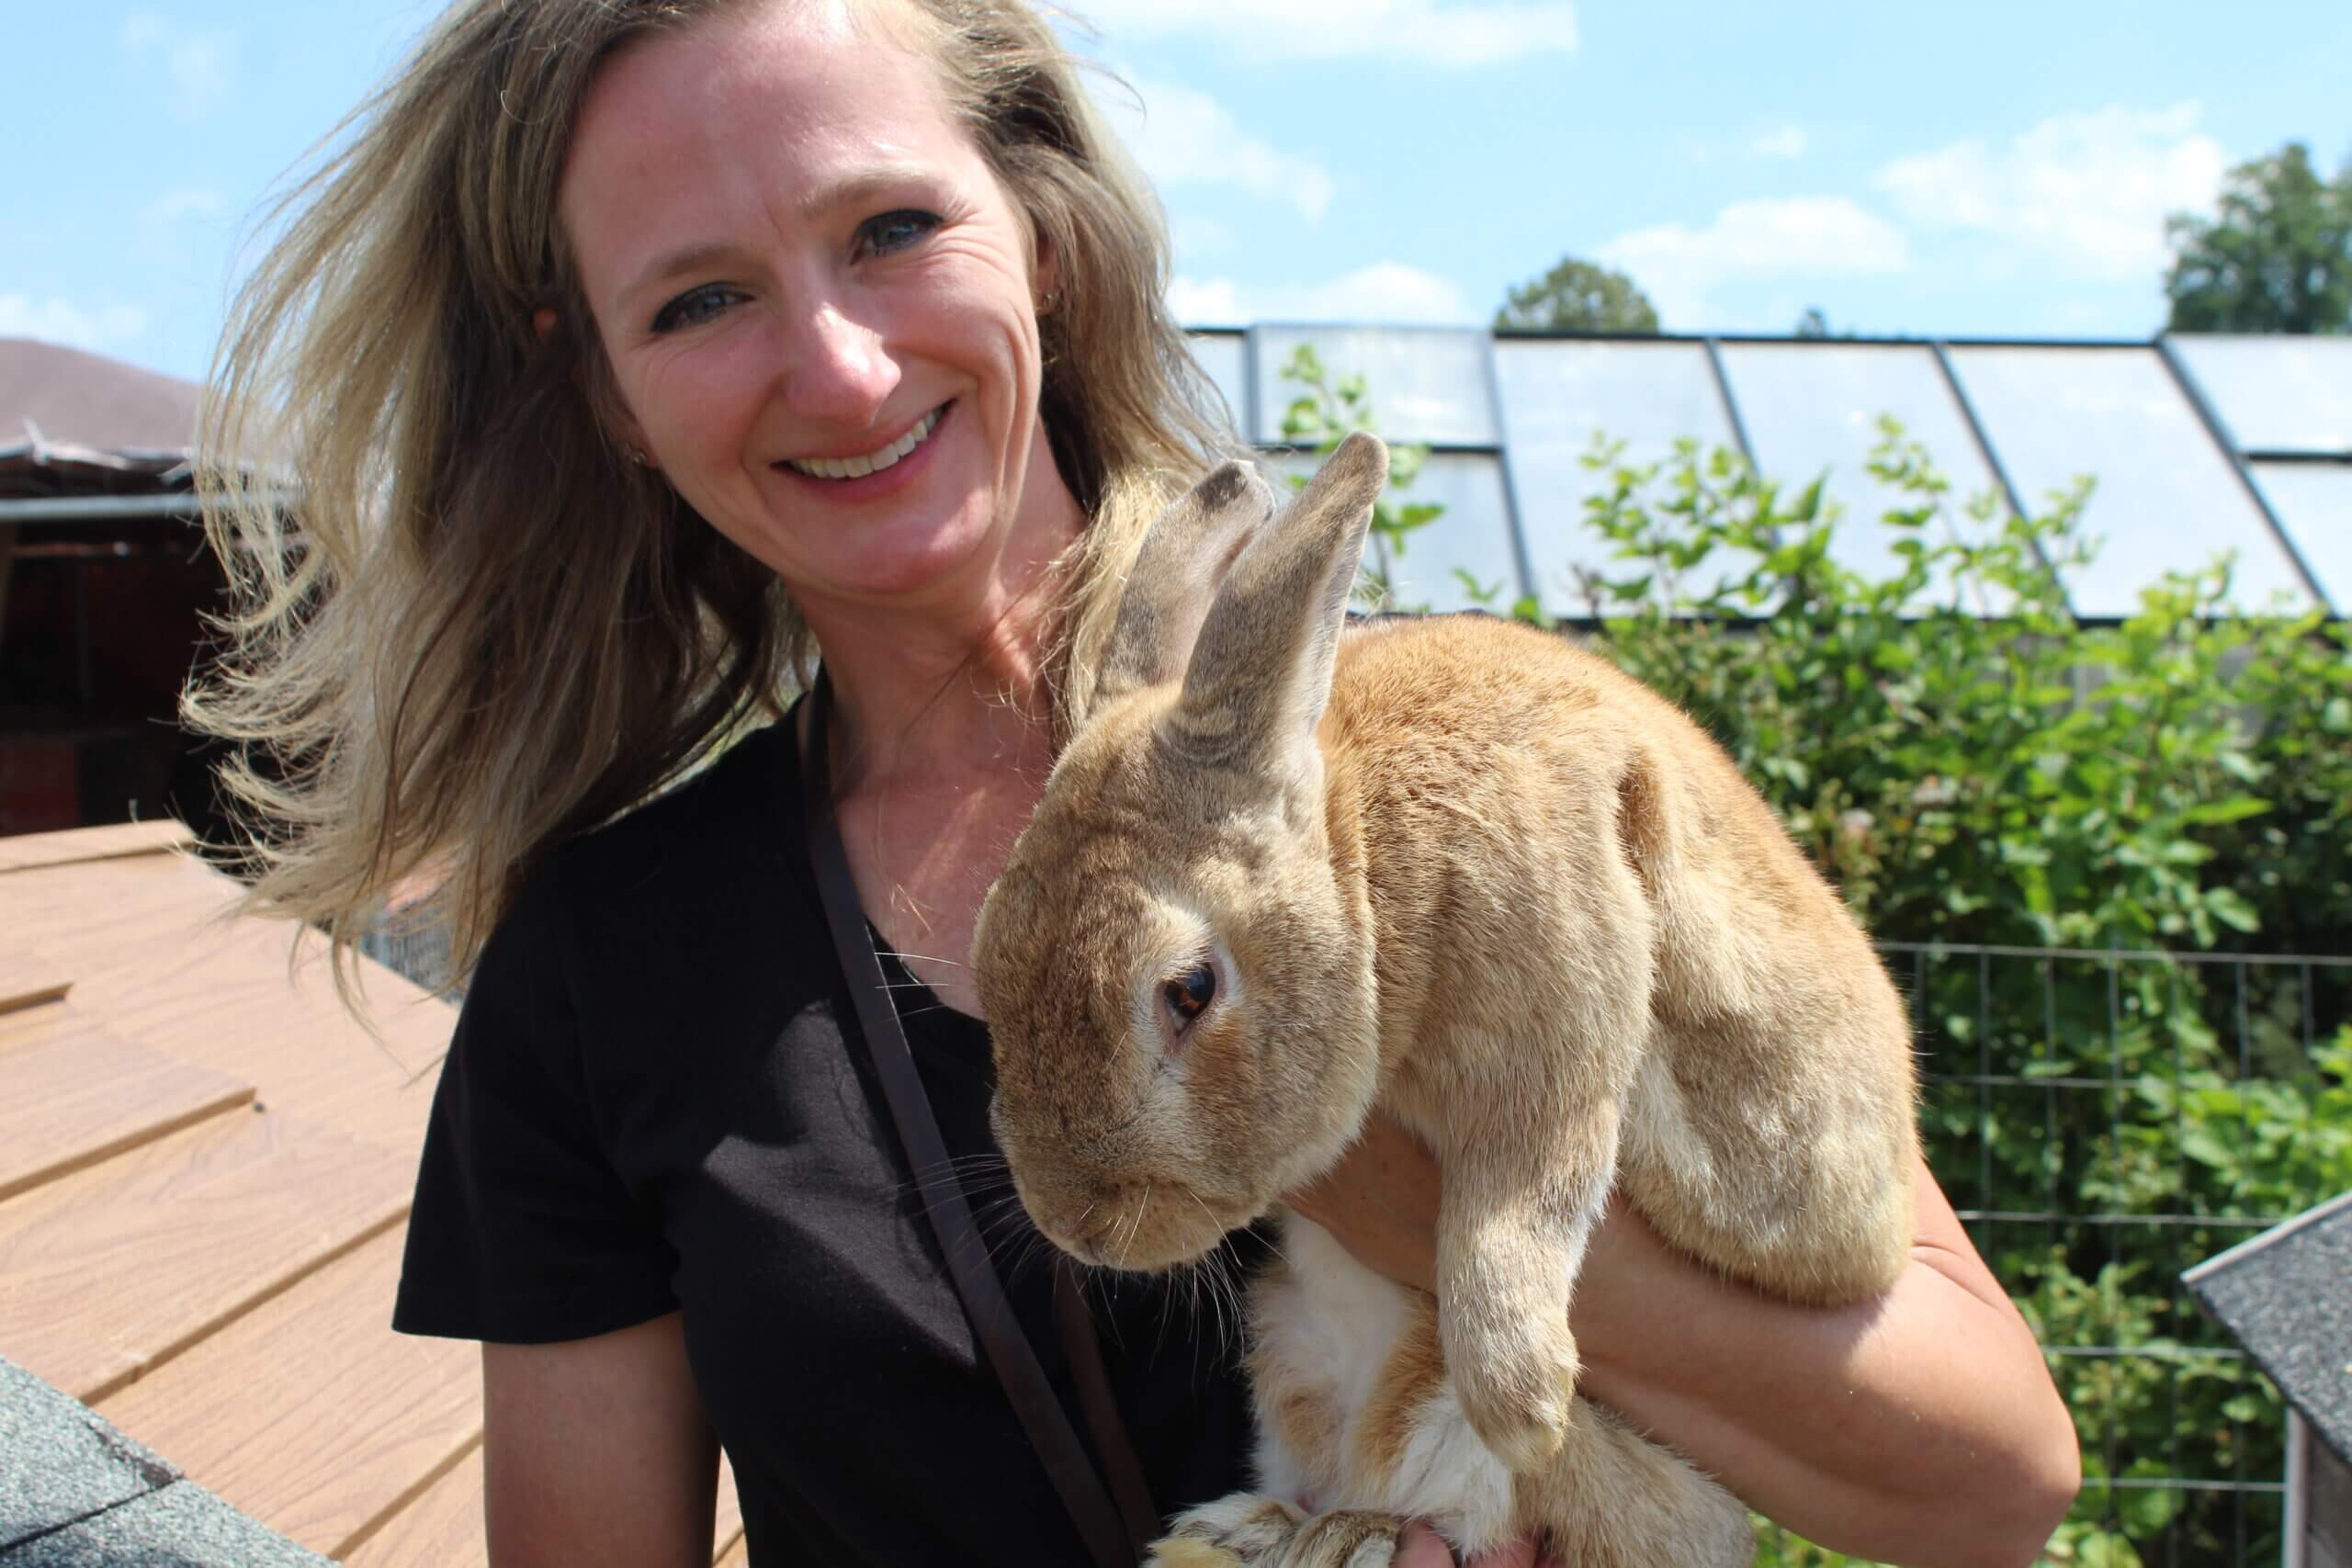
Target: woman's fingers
point(1422, 1546)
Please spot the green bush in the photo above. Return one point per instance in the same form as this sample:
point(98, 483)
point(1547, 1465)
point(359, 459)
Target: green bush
point(1974, 765)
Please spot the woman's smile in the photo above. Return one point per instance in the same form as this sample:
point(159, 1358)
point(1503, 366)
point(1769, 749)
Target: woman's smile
point(888, 455)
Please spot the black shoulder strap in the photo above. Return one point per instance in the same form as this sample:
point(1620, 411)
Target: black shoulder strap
point(1115, 1533)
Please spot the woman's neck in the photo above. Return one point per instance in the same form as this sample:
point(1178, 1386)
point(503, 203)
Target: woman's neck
point(955, 688)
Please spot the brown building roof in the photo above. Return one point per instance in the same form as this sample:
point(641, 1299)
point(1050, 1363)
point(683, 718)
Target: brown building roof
point(56, 396)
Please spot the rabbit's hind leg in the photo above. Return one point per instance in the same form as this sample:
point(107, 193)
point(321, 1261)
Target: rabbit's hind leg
point(1802, 1189)
point(1245, 1530)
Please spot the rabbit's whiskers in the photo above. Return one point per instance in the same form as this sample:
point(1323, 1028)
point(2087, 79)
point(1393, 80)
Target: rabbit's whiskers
point(922, 957)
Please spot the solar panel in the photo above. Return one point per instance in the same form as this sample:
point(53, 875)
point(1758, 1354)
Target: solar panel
point(2168, 500)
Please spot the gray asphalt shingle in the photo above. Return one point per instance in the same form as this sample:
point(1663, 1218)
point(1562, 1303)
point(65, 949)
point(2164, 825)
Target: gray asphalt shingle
point(63, 1463)
point(180, 1525)
point(2287, 1294)
point(75, 1493)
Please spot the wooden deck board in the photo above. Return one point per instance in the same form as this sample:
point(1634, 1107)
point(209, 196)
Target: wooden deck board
point(222, 1288)
point(110, 1270)
point(730, 1527)
point(442, 1528)
point(262, 1413)
point(151, 961)
point(73, 1095)
point(29, 979)
point(22, 851)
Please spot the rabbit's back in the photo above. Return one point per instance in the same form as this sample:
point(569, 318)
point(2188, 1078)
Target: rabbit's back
point(1534, 821)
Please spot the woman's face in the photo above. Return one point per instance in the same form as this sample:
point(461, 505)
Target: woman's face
point(818, 303)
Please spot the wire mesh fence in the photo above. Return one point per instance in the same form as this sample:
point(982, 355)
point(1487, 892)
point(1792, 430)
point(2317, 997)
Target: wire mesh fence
point(2103, 1121)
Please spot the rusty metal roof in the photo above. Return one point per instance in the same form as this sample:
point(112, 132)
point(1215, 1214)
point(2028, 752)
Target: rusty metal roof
point(79, 424)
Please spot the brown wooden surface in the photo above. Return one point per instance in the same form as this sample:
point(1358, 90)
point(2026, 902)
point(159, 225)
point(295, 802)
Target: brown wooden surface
point(218, 1281)
point(348, 1416)
point(71, 1095)
point(440, 1529)
point(28, 977)
point(110, 1271)
point(26, 850)
point(730, 1513)
point(152, 959)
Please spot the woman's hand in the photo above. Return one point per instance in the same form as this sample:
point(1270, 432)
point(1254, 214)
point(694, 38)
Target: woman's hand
point(1423, 1548)
point(1920, 1427)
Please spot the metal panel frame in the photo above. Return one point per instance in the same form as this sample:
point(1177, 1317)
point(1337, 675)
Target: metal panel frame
point(2214, 428)
point(1940, 347)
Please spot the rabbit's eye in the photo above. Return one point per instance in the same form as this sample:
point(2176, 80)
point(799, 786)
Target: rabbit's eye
point(1190, 993)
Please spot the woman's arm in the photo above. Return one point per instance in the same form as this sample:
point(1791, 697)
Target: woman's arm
point(1919, 1428)
point(596, 1453)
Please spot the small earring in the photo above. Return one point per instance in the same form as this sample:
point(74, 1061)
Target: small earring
point(1046, 306)
point(636, 455)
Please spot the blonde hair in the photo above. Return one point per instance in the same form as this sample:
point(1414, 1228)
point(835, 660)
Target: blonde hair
point(473, 628)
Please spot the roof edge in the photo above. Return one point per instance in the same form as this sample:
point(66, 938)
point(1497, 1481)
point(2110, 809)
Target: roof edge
point(2276, 1234)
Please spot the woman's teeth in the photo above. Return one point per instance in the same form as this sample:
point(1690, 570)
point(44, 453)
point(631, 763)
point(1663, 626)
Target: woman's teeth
point(873, 462)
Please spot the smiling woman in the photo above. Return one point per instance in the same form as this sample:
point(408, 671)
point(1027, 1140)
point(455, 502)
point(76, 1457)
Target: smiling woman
point(628, 354)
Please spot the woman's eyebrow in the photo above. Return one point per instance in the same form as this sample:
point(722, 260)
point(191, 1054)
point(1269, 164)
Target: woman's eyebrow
point(853, 187)
point(670, 263)
point(856, 186)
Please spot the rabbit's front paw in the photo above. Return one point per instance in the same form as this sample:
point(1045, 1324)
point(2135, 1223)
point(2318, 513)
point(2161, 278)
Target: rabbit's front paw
point(1249, 1531)
point(1517, 1380)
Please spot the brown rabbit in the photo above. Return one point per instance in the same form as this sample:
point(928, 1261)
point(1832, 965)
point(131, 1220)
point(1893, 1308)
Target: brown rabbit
point(1287, 870)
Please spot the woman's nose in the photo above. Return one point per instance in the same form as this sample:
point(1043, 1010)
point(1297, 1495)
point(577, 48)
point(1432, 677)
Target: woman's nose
point(835, 369)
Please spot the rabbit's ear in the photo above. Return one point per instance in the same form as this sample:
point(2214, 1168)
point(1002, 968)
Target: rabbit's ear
point(1261, 671)
point(1184, 557)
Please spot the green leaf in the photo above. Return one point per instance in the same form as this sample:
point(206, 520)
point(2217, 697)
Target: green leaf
point(2207, 1146)
point(2236, 809)
point(2227, 906)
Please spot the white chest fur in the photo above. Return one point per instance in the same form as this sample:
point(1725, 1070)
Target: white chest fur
point(1355, 1411)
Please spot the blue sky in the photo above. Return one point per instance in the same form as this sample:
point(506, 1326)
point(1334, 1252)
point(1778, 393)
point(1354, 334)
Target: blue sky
point(1999, 168)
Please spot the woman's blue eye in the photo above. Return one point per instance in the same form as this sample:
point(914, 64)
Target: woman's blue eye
point(895, 231)
point(694, 307)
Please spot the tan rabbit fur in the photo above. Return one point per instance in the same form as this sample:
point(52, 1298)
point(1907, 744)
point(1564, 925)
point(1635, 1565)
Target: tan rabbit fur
point(1288, 870)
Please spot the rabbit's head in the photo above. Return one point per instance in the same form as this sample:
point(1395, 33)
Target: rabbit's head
point(1177, 978)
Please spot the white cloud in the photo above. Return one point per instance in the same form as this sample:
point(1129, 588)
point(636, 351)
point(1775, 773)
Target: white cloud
point(1417, 32)
point(202, 66)
point(53, 319)
point(1679, 267)
point(1788, 142)
point(2089, 191)
point(1182, 136)
point(1384, 292)
point(143, 30)
point(188, 204)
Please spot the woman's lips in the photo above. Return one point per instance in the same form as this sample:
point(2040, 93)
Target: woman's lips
point(858, 487)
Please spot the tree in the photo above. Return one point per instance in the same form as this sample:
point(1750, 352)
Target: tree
point(2275, 258)
point(1578, 296)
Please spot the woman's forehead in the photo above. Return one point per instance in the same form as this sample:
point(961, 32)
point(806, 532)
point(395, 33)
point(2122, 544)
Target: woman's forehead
point(791, 66)
point(779, 107)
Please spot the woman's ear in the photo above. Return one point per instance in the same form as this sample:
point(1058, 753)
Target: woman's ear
point(1046, 277)
point(602, 399)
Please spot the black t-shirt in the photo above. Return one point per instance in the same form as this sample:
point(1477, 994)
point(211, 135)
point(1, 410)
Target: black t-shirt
point(648, 1106)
